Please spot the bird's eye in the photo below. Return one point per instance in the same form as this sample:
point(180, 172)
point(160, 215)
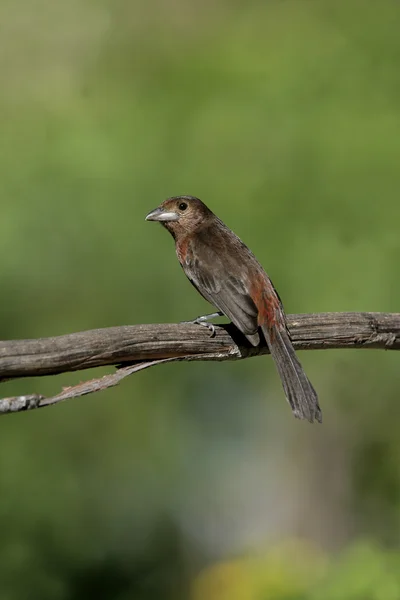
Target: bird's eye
point(182, 206)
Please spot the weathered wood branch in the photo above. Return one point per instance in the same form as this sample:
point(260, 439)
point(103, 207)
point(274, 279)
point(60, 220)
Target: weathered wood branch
point(143, 346)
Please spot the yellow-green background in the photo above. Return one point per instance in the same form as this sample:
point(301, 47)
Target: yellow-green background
point(193, 481)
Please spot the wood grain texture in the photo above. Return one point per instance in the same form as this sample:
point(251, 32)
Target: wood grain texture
point(136, 347)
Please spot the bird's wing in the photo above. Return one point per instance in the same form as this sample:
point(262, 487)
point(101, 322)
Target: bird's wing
point(219, 286)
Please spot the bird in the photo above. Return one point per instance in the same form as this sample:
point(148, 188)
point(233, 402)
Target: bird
point(228, 275)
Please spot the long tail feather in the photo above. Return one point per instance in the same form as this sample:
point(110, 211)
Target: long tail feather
point(299, 391)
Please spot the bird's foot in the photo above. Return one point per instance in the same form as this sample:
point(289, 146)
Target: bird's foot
point(203, 320)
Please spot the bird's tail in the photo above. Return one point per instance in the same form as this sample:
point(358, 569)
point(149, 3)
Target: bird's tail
point(299, 391)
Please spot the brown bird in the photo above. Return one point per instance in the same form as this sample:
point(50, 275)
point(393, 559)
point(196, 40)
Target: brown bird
point(227, 274)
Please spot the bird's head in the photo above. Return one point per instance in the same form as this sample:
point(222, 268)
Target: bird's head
point(180, 214)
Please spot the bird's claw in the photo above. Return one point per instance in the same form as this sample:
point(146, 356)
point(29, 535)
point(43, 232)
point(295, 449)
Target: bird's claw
point(209, 326)
point(200, 321)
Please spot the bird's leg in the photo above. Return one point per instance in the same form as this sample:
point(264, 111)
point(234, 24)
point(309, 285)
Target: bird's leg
point(203, 320)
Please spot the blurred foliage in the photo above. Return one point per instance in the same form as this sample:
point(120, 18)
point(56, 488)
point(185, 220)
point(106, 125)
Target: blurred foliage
point(284, 116)
point(297, 571)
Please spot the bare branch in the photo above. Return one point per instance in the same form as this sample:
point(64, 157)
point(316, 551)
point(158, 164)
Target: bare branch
point(143, 346)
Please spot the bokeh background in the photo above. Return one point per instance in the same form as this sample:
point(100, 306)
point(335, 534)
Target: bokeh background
point(193, 481)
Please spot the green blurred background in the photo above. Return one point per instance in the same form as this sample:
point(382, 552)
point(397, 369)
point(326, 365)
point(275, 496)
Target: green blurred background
point(193, 481)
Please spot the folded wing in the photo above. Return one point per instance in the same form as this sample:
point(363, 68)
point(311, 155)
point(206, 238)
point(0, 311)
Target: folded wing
point(222, 288)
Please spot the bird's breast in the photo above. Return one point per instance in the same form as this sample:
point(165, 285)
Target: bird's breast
point(182, 250)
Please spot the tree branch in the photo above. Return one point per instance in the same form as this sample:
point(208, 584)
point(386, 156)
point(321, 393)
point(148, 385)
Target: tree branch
point(143, 346)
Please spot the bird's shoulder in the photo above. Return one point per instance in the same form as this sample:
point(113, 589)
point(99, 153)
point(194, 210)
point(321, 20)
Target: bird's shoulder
point(214, 240)
point(216, 259)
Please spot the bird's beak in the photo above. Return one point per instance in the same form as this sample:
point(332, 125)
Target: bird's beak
point(159, 214)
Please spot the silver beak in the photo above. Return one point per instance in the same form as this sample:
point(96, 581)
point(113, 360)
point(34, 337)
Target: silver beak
point(158, 214)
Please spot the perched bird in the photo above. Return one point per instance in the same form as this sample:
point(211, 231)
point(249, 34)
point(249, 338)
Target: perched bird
point(227, 274)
